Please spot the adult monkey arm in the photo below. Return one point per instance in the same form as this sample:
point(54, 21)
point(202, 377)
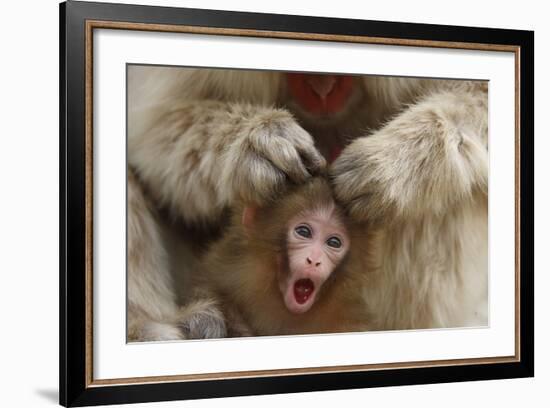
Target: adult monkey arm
point(198, 140)
point(196, 154)
point(422, 178)
point(151, 300)
point(428, 159)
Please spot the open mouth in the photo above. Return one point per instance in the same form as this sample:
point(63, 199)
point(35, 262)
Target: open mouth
point(303, 289)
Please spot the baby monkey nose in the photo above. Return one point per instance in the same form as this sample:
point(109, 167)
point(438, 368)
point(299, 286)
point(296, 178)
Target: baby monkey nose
point(310, 261)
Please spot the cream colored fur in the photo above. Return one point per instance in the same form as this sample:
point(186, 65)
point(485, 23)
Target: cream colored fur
point(416, 169)
point(151, 298)
point(153, 313)
point(422, 180)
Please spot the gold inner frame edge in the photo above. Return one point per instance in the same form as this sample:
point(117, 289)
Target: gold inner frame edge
point(92, 24)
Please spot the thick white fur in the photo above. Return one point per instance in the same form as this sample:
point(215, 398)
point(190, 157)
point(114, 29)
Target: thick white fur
point(421, 179)
point(416, 170)
point(152, 310)
point(151, 298)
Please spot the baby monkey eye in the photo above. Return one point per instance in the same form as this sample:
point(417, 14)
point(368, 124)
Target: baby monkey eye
point(334, 242)
point(303, 231)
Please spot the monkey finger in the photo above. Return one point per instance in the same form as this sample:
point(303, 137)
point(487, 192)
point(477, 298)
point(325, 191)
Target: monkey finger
point(360, 192)
point(285, 157)
point(294, 168)
point(283, 153)
point(303, 143)
point(257, 180)
point(348, 183)
point(314, 162)
point(202, 320)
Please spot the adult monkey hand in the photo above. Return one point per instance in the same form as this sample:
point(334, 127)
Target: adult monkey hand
point(269, 150)
point(427, 161)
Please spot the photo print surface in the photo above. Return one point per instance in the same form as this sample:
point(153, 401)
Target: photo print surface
point(265, 203)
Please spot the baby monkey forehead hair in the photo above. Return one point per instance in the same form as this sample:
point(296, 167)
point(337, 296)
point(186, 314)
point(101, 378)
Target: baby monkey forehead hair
point(313, 196)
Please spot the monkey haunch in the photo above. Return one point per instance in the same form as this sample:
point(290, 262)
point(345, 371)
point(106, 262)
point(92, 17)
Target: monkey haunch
point(287, 268)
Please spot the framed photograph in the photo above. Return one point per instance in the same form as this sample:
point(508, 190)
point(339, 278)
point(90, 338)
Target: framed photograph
point(257, 204)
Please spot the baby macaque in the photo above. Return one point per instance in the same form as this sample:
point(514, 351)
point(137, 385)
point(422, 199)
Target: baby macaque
point(286, 268)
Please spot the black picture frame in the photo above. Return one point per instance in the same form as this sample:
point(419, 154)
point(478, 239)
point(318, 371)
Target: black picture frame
point(76, 388)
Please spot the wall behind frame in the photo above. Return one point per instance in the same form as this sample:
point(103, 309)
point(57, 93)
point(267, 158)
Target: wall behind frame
point(29, 204)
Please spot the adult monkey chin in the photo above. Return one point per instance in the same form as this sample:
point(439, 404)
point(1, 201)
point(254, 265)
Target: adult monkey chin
point(321, 95)
point(408, 155)
point(327, 106)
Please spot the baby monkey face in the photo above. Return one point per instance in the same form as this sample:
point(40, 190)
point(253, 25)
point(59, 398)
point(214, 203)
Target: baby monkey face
point(317, 241)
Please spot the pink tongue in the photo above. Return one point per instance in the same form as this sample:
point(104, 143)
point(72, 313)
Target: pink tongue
point(303, 289)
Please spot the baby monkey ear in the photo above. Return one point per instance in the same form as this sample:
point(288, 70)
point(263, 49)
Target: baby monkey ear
point(249, 217)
